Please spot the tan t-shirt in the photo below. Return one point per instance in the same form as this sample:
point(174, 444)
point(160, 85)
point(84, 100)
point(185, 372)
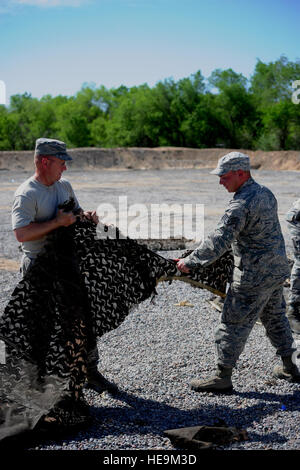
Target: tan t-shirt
point(35, 202)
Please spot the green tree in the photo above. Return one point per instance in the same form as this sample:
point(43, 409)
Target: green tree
point(235, 109)
point(271, 86)
point(186, 103)
point(202, 127)
point(131, 122)
point(272, 82)
point(281, 123)
point(23, 114)
point(101, 128)
point(5, 143)
point(233, 112)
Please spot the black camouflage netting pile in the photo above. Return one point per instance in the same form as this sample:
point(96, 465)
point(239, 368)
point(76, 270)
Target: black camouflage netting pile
point(80, 287)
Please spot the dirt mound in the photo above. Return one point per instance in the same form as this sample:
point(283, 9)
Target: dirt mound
point(154, 158)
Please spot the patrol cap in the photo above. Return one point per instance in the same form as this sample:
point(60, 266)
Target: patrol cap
point(53, 147)
point(231, 162)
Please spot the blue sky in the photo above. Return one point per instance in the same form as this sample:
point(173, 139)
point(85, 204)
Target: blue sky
point(55, 46)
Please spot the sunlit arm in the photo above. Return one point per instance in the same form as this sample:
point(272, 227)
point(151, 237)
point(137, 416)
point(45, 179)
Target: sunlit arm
point(37, 230)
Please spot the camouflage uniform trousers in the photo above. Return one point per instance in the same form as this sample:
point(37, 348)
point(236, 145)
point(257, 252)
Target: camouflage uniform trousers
point(293, 224)
point(294, 294)
point(242, 308)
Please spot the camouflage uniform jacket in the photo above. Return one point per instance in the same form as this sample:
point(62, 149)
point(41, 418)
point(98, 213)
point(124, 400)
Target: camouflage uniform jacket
point(293, 224)
point(293, 220)
point(250, 226)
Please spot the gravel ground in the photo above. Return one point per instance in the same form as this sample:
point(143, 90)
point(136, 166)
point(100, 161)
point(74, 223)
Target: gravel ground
point(152, 357)
point(160, 347)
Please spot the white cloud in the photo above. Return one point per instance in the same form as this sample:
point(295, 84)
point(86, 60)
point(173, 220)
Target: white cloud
point(52, 3)
point(16, 6)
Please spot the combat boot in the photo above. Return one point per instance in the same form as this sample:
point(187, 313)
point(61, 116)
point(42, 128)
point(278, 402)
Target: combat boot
point(287, 371)
point(218, 383)
point(294, 320)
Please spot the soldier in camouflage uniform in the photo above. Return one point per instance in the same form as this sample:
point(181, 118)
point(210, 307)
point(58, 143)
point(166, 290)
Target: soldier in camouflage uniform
point(293, 313)
point(250, 226)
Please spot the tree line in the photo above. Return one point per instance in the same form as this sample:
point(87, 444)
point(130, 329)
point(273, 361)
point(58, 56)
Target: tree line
point(226, 110)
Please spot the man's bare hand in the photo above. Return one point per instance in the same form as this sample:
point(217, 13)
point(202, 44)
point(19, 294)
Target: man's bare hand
point(91, 215)
point(64, 219)
point(181, 266)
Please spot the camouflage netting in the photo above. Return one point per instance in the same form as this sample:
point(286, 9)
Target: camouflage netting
point(80, 287)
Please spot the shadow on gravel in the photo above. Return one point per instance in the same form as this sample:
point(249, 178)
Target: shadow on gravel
point(152, 413)
point(144, 416)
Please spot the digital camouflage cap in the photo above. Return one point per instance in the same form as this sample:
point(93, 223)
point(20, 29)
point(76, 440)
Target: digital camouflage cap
point(232, 161)
point(53, 147)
